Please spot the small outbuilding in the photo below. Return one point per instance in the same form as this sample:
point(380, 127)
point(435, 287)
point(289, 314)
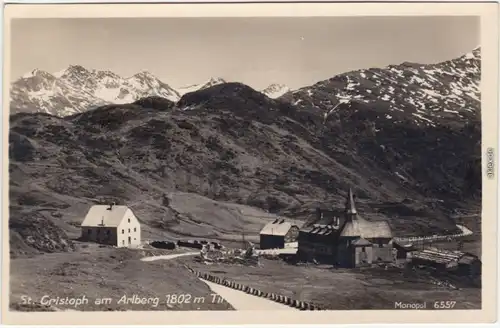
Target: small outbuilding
point(458, 262)
point(277, 233)
point(403, 252)
point(111, 225)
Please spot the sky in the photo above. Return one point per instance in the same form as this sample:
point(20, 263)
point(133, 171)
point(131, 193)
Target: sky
point(295, 51)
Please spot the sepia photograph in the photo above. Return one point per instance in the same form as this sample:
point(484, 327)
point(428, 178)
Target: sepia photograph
point(246, 163)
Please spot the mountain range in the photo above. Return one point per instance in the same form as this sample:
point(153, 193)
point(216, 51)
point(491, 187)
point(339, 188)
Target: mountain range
point(406, 138)
point(77, 89)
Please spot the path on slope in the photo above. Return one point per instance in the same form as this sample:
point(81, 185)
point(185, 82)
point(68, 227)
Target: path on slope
point(167, 257)
point(239, 300)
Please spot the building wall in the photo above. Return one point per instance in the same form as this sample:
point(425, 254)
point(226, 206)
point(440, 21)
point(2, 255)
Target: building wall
point(101, 235)
point(382, 250)
point(129, 231)
point(473, 269)
point(402, 254)
point(292, 235)
point(346, 256)
point(323, 253)
point(318, 247)
point(271, 241)
point(382, 254)
point(363, 255)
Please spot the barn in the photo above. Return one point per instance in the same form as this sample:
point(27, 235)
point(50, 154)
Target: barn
point(277, 233)
point(114, 225)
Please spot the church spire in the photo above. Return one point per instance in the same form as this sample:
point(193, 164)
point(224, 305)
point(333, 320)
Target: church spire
point(350, 206)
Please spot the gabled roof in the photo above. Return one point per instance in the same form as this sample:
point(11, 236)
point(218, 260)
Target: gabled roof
point(99, 214)
point(320, 229)
point(406, 247)
point(278, 227)
point(359, 227)
point(323, 216)
point(361, 242)
point(468, 259)
point(444, 256)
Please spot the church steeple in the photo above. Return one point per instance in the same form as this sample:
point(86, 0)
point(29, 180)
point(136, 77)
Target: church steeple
point(350, 206)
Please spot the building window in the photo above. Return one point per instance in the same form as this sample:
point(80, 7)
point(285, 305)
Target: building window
point(128, 230)
point(363, 249)
point(123, 242)
point(108, 232)
point(129, 220)
point(123, 230)
point(89, 231)
point(135, 229)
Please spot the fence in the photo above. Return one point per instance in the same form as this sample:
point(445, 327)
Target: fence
point(301, 305)
point(465, 232)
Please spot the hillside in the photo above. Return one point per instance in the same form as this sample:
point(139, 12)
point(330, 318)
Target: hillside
point(435, 94)
point(233, 144)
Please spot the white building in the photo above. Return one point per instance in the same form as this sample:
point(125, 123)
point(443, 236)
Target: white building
point(112, 225)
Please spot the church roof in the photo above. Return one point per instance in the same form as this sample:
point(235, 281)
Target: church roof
point(359, 227)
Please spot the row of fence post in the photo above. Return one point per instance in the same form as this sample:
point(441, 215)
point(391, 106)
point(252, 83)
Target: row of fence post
point(301, 305)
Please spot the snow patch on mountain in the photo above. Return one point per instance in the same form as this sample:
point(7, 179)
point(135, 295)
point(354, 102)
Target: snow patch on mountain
point(195, 87)
point(77, 89)
point(275, 90)
point(425, 93)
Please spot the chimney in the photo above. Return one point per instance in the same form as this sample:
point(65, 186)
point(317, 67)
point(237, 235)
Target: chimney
point(336, 222)
point(319, 213)
point(111, 206)
point(282, 221)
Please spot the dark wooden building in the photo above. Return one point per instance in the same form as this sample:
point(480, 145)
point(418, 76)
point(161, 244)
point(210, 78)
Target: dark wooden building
point(344, 238)
point(277, 233)
point(460, 263)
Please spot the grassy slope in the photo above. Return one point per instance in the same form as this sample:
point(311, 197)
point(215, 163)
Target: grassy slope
point(106, 273)
point(342, 289)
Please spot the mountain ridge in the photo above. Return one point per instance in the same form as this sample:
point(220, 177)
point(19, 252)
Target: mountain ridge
point(232, 143)
point(77, 89)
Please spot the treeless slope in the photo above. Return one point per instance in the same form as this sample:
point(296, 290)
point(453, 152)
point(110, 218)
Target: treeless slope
point(106, 272)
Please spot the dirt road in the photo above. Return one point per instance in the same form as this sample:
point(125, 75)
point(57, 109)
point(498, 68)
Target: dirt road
point(167, 257)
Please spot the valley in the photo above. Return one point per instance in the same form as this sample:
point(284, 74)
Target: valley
point(220, 161)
